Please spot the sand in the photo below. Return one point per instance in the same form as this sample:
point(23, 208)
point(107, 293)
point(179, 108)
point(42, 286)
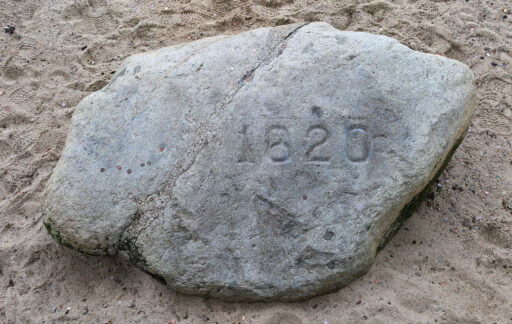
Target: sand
point(451, 262)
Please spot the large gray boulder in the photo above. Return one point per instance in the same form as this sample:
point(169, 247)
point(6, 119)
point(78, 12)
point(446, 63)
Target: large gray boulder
point(270, 165)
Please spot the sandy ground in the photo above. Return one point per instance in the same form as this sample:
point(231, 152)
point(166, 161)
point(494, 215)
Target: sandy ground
point(450, 263)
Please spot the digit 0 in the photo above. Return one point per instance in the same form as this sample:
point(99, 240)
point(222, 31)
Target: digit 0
point(358, 144)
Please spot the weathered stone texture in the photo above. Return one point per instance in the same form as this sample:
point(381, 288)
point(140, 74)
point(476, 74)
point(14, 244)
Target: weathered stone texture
point(267, 165)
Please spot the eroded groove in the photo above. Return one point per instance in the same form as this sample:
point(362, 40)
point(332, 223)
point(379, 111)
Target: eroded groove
point(183, 164)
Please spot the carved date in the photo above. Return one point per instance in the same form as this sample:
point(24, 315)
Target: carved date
point(357, 146)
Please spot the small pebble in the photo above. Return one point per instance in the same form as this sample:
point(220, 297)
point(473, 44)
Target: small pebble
point(494, 64)
point(504, 16)
point(119, 167)
point(102, 170)
point(53, 310)
point(148, 162)
point(9, 29)
point(129, 171)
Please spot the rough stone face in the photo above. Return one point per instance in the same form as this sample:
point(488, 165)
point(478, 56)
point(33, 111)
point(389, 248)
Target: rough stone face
point(270, 165)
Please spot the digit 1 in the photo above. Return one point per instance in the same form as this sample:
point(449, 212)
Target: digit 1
point(245, 151)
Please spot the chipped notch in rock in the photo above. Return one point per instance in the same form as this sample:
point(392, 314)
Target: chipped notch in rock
point(284, 169)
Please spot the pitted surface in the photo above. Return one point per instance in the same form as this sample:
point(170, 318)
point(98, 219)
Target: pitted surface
point(272, 176)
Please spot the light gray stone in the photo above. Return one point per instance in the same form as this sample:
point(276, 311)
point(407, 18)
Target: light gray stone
point(270, 165)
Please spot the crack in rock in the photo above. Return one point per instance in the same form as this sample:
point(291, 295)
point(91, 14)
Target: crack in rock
point(205, 133)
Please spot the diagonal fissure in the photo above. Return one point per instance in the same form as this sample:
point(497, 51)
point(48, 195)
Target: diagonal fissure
point(204, 133)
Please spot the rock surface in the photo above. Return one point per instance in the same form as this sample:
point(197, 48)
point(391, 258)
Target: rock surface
point(270, 165)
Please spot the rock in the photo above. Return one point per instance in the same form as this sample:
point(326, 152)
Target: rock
point(270, 165)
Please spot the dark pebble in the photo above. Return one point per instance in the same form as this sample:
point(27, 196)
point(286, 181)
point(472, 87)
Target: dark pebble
point(9, 29)
point(481, 57)
point(494, 64)
point(148, 162)
point(102, 170)
point(129, 171)
point(330, 264)
point(83, 48)
point(504, 16)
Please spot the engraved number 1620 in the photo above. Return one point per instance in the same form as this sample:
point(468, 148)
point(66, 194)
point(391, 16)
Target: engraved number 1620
point(357, 146)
